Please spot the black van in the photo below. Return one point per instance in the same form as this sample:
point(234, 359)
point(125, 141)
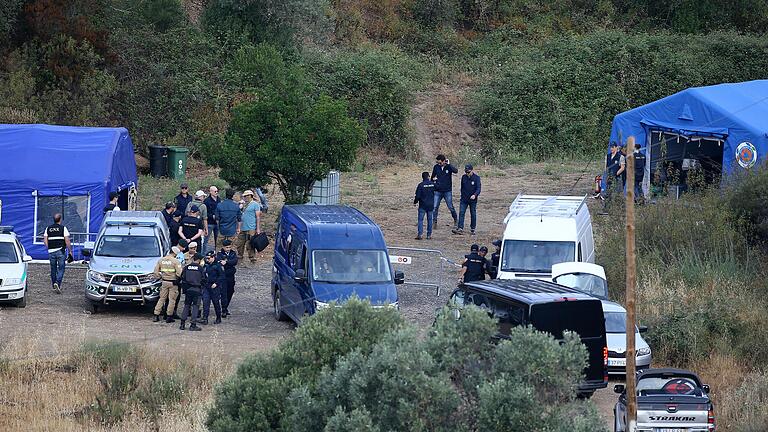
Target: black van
point(546, 307)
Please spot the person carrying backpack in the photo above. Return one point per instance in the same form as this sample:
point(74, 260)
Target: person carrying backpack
point(193, 280)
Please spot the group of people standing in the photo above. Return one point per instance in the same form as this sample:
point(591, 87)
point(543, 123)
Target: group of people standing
point(206, 276)
point(476, 266)
point(437, 187)
point(616, 173)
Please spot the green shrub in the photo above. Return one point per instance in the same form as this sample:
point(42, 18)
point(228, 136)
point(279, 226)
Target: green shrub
point(746, 195)
point(558, 99)
point(747, 406)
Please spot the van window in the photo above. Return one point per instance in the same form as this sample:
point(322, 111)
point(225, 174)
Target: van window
point(584, 317)
point(298, 256)
point(530, 256)
point(350, 265)
point(507, 313)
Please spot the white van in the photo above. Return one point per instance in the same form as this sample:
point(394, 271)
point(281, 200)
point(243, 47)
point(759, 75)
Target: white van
point(544, 230)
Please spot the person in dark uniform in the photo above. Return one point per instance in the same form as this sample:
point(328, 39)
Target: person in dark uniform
point(495, 258)
point(170, 209)
point(425, 198)
point(183, 198)
point(227, 256)
point(173, 227)
point(639, 172)
point(483, 252)
point(191, 228)
point(474, 266)
point(214, 277)
point(193, 280)
point(442, 175)
point(56, 240)
point(112, 204)
point(614, 168)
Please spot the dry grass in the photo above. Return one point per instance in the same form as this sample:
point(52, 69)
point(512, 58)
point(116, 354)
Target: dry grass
point(62, 392)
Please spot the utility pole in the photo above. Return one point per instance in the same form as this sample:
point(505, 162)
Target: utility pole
point(629, 168)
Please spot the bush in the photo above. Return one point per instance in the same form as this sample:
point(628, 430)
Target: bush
point(558, 100)
point(356, 368)
point(746, 195)
point(747, 406)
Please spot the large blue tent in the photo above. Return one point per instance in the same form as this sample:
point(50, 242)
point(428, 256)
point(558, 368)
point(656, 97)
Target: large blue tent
point(723, 127)
point(61, 169)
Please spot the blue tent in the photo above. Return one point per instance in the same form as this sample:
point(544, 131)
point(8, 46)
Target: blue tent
point(722, 127)
point(61, 169)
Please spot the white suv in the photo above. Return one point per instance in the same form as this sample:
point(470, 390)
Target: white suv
point(13, 268)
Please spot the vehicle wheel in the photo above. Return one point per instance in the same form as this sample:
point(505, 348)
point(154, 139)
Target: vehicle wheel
point(278, 306)
point(22, 302)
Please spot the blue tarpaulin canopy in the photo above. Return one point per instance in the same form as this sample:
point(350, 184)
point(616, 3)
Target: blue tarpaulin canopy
point(61, 169)
point(732, 119)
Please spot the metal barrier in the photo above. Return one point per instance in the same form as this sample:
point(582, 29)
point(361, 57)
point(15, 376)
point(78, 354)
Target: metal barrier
point(407, 260)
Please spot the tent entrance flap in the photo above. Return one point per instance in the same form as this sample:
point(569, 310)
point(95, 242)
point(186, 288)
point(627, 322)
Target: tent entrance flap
point(684, 160)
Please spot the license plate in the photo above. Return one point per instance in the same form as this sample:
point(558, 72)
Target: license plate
point(617, 362)
point(669, 430)
point(125, 289)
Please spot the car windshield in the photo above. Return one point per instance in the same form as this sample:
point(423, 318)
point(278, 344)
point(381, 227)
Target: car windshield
point(128, 246)
point(585, 282)
point(350, 265)
point(667, 385)
point(8, 254)
point(616, 322)
point(531, 256)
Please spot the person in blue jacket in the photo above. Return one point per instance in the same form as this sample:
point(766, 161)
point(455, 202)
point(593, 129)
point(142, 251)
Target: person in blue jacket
point(442, 176)
point(214, 282)
point(425, 198)
point(470, 190)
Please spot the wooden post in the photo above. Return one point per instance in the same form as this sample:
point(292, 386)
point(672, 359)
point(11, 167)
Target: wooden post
point(631, 282)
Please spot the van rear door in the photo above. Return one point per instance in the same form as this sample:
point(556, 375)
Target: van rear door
point(585, 317)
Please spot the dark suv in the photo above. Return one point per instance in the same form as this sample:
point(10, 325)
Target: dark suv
point(546, 307)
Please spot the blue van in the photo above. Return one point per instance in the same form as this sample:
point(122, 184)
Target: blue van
point(329, 253)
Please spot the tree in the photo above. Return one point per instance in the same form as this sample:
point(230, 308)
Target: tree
point(282, 132)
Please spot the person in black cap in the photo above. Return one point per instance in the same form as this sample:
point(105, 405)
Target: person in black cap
point(173, 228)
point(493, 268)
point(425, 198)
point(470, 190)
point(214, 281)
point(227, 256)
point(183, 198)
point(442, 175)
point(473, 267)
point(192, 280)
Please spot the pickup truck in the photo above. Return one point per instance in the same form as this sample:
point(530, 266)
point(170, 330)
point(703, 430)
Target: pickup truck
point(668, 400)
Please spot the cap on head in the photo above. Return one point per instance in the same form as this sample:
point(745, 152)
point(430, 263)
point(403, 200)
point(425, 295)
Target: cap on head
point(226, 243)
point(199, 194)
point(183, 243)
point(468, 167)
point(193, 245)
point(496, 243)
point(197, 257)
point(210, 254)
point(248, 192)
point(184, 186)
point(483, 249)
point(178, 213)
point(175, 250)
point(474, 248)
point(613, 144)
point(194, 209)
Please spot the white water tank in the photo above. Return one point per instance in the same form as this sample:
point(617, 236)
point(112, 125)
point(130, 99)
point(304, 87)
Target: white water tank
point(326, 191)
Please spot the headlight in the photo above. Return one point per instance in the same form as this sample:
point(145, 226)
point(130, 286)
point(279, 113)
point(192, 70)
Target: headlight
point(14, 281)
point(148, 278)
point(643, 351)
point(320, 305)
point(98, 277)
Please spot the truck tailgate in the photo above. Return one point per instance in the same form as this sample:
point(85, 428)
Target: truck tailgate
point(672, 417)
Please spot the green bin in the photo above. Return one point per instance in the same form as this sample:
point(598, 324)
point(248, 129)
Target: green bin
point(177, 162)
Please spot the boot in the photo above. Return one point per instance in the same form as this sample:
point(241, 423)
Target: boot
point(156, 318)
point(182, 326)
point(203, 321)
point(170, 319)
point(194, 327)
point(218, 320)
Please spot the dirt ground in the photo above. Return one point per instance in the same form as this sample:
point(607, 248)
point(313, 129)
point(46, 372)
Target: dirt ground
point(52, 323)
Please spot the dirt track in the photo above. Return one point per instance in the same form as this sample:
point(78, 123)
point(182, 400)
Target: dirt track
point(54, 323)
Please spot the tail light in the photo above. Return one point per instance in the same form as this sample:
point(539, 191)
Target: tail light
point(711, 419)
point(605, 364)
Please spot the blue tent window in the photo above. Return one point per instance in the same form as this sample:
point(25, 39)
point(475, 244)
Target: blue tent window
point(74, 209)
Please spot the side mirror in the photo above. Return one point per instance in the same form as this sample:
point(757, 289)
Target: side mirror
point(642, 329)
point(705, 387)
point(86, 252)
point(618, 388)
point(300, 276)
point(26, 258)
point(399, 278)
